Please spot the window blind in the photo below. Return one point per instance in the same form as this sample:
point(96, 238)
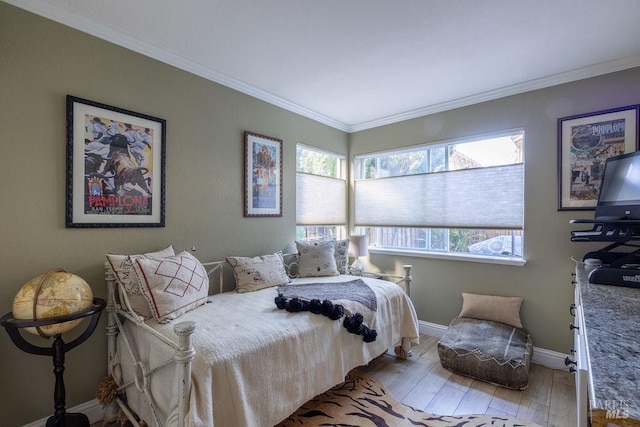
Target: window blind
point(491, 198)
point(320, 200)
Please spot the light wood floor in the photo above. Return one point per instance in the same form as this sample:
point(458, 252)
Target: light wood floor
point(422, 382)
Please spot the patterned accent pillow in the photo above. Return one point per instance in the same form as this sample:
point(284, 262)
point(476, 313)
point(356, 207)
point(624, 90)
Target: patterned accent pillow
point(122, 266)
point(342, 255)
point(258, 272)
point(172, 285)
point(317, 258)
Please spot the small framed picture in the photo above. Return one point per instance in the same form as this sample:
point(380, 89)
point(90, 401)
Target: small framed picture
point(585, 142)
point(262, 175)
point(115, 167)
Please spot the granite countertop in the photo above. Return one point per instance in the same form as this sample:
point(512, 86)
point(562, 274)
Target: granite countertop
point(612, 321)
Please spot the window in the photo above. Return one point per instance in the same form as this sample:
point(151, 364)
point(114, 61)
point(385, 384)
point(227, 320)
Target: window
point(321, 194)
point(461, 196)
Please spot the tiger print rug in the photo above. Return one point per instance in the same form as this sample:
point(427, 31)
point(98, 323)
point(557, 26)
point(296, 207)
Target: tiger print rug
point(361, 401)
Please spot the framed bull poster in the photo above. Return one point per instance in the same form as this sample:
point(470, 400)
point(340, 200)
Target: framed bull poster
point(115, 167)
point(585, 142)
point(262, 175)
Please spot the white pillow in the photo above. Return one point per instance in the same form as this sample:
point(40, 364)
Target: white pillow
point(122, 266)
point(317, 258)
point(341, 253)
point(258, 272)
point(172, 285)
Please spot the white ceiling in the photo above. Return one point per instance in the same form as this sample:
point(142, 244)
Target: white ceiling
point(358, 64)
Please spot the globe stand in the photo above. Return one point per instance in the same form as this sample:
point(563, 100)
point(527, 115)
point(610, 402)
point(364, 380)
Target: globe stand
point(57, 351)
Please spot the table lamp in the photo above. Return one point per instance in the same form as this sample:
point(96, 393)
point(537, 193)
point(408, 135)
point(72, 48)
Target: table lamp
point(358, 246)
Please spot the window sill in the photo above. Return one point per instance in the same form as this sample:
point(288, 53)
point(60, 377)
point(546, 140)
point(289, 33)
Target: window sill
point(452, 256)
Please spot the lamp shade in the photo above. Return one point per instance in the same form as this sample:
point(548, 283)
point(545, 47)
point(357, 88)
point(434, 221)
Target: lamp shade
point(358, 246)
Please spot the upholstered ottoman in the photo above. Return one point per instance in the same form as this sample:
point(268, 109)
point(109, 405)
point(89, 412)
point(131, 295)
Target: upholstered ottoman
point(487, 350)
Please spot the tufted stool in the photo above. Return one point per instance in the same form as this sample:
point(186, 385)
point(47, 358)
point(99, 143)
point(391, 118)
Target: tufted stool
point(487, 349)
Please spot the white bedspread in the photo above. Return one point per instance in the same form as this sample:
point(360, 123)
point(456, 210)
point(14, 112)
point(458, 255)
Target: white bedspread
point(255, 364)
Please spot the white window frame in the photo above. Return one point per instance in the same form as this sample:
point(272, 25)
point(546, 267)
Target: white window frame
point(334, 227)
point(445, 254)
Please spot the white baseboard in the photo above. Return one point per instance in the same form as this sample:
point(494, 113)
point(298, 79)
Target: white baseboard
point(92, 409)
point(541, 356)
point(431, 329)
point(550, 359)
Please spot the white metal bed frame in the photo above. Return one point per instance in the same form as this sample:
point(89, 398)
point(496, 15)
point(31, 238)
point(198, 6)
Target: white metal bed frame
point(118, 306)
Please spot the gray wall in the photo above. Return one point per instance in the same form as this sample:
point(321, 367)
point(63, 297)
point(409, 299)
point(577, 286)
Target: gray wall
point(40, 63)
point(545, 280)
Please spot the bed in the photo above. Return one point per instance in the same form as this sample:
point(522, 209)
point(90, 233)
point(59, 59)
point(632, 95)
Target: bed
point(235, 358)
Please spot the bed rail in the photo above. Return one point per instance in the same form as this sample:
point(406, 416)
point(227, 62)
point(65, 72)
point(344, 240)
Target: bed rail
point(218, 267)
point(118, 307)
point(395, 278)
point(292, 264)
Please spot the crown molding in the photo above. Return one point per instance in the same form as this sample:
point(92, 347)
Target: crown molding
point(101, 31)
point(49, 11)
point(567, 77)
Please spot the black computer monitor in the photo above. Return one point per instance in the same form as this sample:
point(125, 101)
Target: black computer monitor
point(619, 197)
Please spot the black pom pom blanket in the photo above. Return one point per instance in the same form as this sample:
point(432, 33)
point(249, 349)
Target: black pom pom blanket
point(354, 300)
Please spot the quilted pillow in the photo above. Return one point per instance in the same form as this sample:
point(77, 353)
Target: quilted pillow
point(317, 258)
point(172, 285)
point(258, 272)
point(122, 266)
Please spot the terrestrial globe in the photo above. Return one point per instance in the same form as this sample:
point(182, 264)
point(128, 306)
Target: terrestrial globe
point(55, 293)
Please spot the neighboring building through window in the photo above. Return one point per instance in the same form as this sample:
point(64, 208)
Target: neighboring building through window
point(321, 194)
point(463, 196)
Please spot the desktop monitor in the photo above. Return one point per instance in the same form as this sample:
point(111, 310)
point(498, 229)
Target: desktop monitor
point(619, 197)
